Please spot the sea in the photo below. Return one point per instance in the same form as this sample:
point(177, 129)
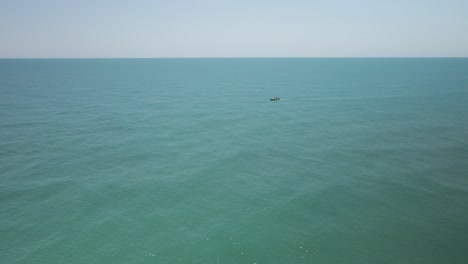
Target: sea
point(363, 160)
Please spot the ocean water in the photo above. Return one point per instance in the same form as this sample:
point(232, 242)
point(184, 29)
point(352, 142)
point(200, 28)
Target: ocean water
point(188, 161)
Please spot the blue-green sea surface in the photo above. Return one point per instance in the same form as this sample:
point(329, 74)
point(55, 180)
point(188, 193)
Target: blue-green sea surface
point(188, 161)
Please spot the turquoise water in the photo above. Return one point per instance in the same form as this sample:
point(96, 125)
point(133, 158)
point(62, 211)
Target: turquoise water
point(187, 161)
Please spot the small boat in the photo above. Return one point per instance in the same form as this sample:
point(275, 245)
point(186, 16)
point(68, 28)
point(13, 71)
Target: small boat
point(274, 99)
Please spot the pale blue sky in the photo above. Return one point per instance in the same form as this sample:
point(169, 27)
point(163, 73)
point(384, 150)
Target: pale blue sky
point(236, 28)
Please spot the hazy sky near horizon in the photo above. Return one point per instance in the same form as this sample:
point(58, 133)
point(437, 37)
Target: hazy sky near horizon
point(242, 28)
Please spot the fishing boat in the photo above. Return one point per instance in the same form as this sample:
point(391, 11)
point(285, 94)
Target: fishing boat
point(275, 99)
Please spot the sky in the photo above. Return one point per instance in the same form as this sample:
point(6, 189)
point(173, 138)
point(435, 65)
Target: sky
point(233, 28)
